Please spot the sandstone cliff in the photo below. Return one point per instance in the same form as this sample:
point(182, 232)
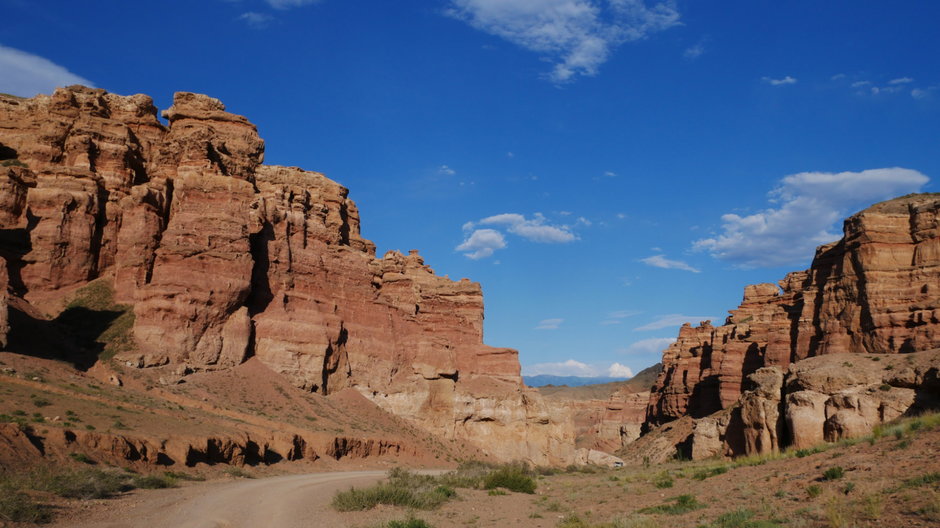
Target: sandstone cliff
point(874, 291)
point(223, 258)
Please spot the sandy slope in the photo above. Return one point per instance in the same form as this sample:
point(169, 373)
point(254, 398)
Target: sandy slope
point(281, 502)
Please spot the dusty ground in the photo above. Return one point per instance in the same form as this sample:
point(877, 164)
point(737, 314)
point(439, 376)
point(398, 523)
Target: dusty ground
point(875, 490)
point(293, 501)
point(49, 395)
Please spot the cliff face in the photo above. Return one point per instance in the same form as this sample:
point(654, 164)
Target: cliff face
point(224, 258)
point(875, 291)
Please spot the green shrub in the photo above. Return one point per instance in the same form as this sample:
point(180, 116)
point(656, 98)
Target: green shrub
point(79, 483)
point(81, 457)
point(741, 518)
point(513, 478)
point(635, 521)
point(184, 476)
point(410, 522)
point(676, 506)
point(663, 482)
point(833, 473)
point(154, 482)
point(800, 453)
point(16, 506)
point(923, 480)
point(238, 472)
point(813, 491)
point(705, 473)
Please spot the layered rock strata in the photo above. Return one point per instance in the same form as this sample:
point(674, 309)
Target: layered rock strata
point(874, 291)
point(224, 258)
point(608, 425)
point(821, 399)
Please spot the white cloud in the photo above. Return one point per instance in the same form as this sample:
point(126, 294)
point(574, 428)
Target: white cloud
point(660, 261)
point(779, 82)
point(256, 20)
point(570, 367)
point(535, 229)
point(653, 345)
point(573, 367)
point(576, 35)
point(923, 93)
point(666, 321)
point(694, 52)
point(617, 370)
point(837, 77)
point(26, 75)
point(482, 243)
point(809, 206)
point(618, 316)
point(901, 80)
point(859, 84)
point(549, 324)
point(446, 171)
point(610, 174)
point(287, 4)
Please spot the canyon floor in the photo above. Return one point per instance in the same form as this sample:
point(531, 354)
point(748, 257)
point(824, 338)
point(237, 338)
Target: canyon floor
point(891, 478)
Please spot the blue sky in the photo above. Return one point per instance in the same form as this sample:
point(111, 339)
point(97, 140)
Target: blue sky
point(607, 169)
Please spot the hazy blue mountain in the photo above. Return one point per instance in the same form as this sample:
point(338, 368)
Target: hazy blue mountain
point(571, 381)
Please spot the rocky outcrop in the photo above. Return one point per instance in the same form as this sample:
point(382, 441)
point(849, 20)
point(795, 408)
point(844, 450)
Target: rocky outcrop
point(608, 425)
point(874, 291)
point(224, 258)
point(822, 399)
point(26, 446)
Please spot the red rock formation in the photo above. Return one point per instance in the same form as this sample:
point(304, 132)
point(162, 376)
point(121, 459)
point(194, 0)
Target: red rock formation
point(820, 399)
point(224, 258)
point(874, 291)
point(608, 425)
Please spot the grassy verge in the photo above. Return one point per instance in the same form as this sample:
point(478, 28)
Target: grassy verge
point(426, 492)
point(17, 490)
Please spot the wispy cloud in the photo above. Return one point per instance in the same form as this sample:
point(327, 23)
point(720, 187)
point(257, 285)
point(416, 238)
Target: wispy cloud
point(288, 4)
point(549, 324)
point(653, 345)
point(446, 171)
point(576, 35)
point(26, 75)
point(618, 316)
point(694, 52)
point(901, 80)
point(660, 261)
point(808, 207)
point(779, 82)
point(256, 20)
point(482, 243)
point(666, 321)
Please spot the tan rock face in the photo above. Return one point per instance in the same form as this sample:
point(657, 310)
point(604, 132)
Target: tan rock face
point(821, 399)
point(608, 425)
point(874, 291)
point(224, 258)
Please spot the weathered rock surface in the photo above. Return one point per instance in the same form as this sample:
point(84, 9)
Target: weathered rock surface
point(874, 291)
point(608, 425)
point(821, 399)
point(28, 447)
point(224, 258)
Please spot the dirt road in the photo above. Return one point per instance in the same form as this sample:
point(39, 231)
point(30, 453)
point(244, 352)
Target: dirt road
point(294, 501)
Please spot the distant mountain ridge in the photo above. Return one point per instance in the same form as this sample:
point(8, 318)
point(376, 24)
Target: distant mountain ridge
point(571, 381)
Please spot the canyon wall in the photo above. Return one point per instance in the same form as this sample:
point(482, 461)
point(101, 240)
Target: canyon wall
point(875, 291)
point(224, 258)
